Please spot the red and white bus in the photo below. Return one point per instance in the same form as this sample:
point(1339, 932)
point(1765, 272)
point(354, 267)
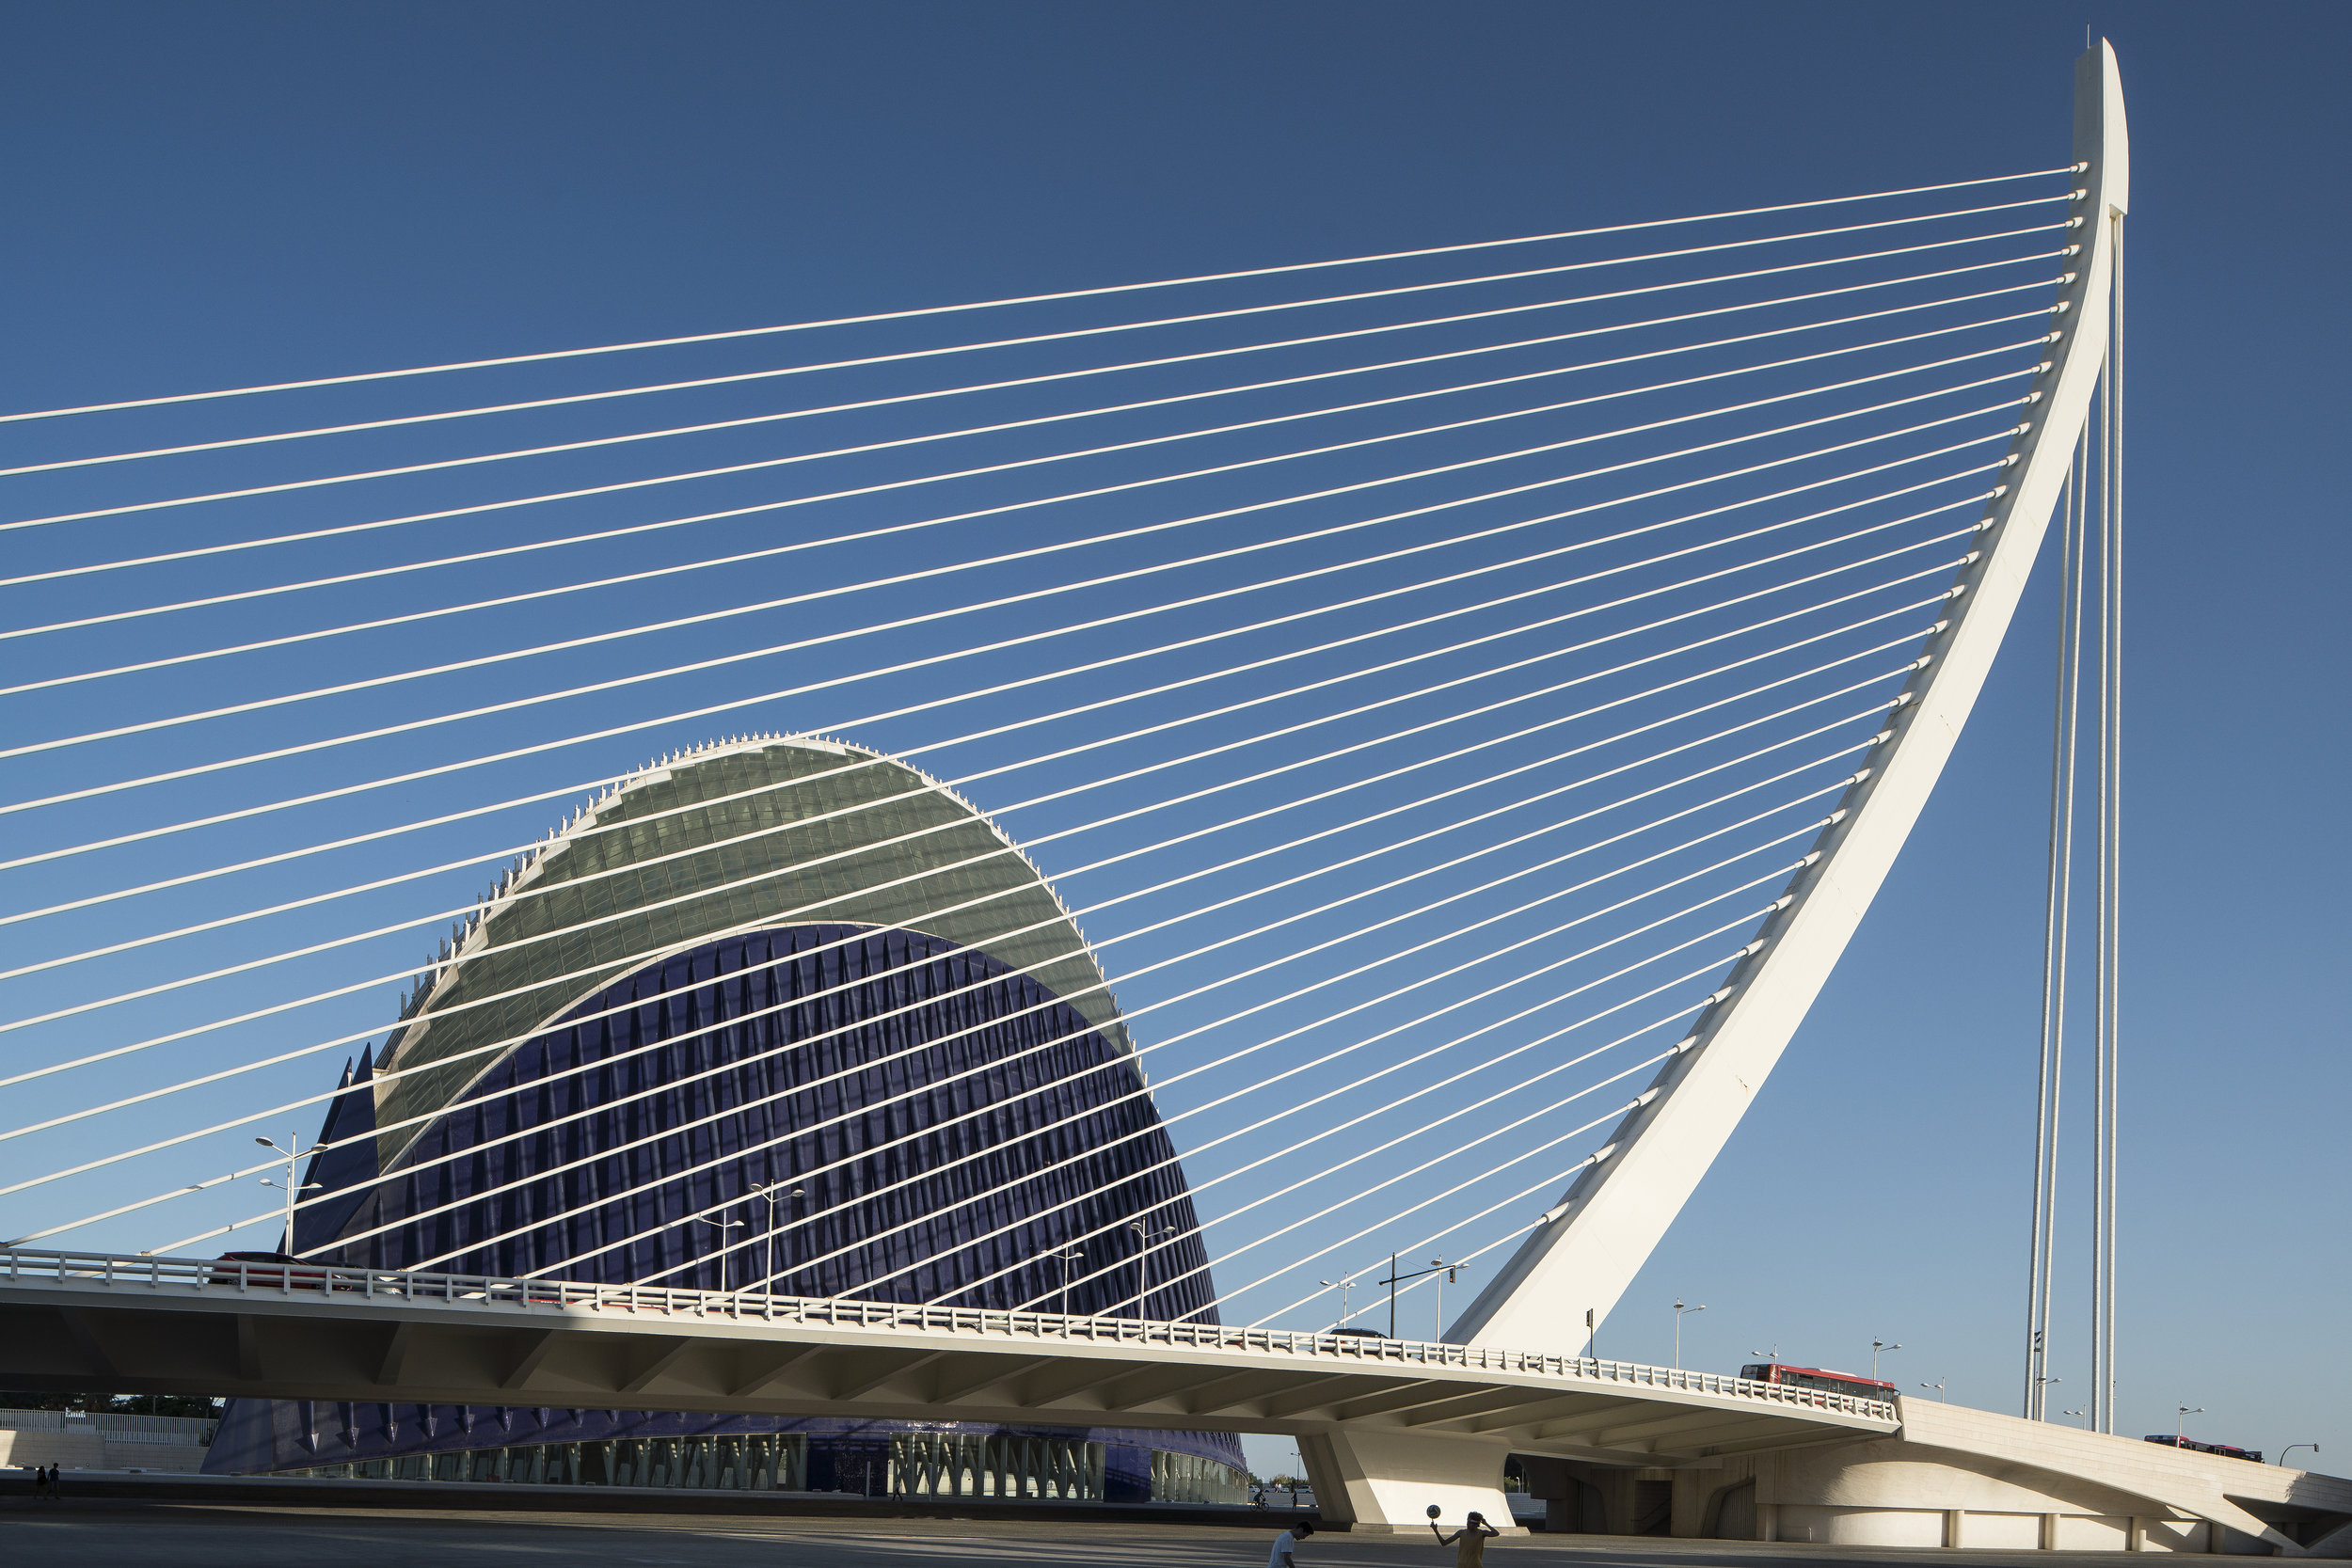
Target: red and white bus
point(1819, 1380)
point(2227, 1450)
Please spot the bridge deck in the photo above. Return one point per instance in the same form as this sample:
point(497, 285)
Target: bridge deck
point(160, 1324)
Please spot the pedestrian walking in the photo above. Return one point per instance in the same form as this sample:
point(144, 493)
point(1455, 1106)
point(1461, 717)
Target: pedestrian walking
point(1286, 1543)
point(40, 1480)
point(56, 1484)
point(1468, 1543)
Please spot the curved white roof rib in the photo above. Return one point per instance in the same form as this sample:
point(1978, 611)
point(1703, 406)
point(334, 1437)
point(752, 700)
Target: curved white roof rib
point(746, 834)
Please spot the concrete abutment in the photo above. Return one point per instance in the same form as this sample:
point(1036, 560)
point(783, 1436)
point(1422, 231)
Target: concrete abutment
point(1951, 1477)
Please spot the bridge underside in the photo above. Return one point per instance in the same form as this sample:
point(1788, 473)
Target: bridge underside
point(270, 1347)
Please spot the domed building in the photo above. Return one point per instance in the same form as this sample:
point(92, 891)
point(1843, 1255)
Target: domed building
point(779, 1014)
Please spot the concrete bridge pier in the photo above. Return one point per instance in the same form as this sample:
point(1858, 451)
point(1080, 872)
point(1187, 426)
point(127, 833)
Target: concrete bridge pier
point(1957, 1476)
point(1377, 1481)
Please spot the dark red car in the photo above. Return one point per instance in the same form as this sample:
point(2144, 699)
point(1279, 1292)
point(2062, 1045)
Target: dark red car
point(271, 1268)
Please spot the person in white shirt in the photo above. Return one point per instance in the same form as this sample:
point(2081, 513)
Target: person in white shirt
point(1287, 1543)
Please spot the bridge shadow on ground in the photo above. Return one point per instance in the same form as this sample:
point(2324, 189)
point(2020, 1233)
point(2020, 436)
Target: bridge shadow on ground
point(89, 1531)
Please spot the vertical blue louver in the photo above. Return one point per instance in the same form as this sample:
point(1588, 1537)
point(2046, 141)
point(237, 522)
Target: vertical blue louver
point(947, 1121)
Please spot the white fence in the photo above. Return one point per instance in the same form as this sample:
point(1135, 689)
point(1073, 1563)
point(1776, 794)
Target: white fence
point(114, 1426)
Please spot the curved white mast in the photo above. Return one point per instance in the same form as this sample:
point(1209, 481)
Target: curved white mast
point(1592, 1243)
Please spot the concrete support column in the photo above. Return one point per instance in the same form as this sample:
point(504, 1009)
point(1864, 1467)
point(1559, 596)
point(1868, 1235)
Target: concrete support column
point(1550, 1484)
point(1385, 1482)
point(2049, 1532)
point(1955, 1526)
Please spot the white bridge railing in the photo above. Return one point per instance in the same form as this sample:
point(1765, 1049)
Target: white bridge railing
point(226, 1276)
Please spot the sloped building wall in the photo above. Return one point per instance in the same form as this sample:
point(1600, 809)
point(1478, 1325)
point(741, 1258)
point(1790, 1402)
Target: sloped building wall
point(953, 1095)
point(944, 1117)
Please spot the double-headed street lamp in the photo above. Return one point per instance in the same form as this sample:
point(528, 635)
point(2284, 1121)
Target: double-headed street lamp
point(1680, 1312)
point(769, 1190)
point(1344, 1283)
point(1068, 1257)
point(2180, 1426)
point(294, 1184)
point(1878, 1348)
point(1145, 1236)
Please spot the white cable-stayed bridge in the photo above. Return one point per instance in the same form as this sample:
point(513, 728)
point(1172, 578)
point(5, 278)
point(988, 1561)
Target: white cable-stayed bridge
point(1087, 826)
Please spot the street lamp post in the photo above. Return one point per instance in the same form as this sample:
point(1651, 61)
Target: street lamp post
point(294, 1184)
point(2291, 1447)
point(2180, 1426)
point(722, 1227)
point(768, 1190)
point(1437, 1266)
point(1878, 1348)
point(1936, 1387)
point(1452, 1272)
point(1680, 1312)
point(1068, 1257)
point(1145, 1236)
point(2069, 1411)
point(1344, 1284)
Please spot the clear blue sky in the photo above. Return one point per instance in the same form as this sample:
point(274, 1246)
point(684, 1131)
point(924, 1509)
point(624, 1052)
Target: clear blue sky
point(227, 193)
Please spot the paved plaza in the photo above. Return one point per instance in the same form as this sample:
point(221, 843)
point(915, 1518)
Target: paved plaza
point(99, 1534)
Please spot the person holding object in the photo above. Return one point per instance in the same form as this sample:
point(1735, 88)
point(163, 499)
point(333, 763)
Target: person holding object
point(1287, 1543)
point(1472, 1537)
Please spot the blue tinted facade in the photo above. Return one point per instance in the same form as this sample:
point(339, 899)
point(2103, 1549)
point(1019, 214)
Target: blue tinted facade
point(950, 1121)
point(555, 1446)
point(945, 1119)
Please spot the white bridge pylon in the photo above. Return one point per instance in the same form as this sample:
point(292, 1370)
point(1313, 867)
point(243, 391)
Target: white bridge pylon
point(1597, 1239)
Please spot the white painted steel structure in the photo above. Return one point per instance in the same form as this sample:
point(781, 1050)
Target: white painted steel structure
point(1601, 1232)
